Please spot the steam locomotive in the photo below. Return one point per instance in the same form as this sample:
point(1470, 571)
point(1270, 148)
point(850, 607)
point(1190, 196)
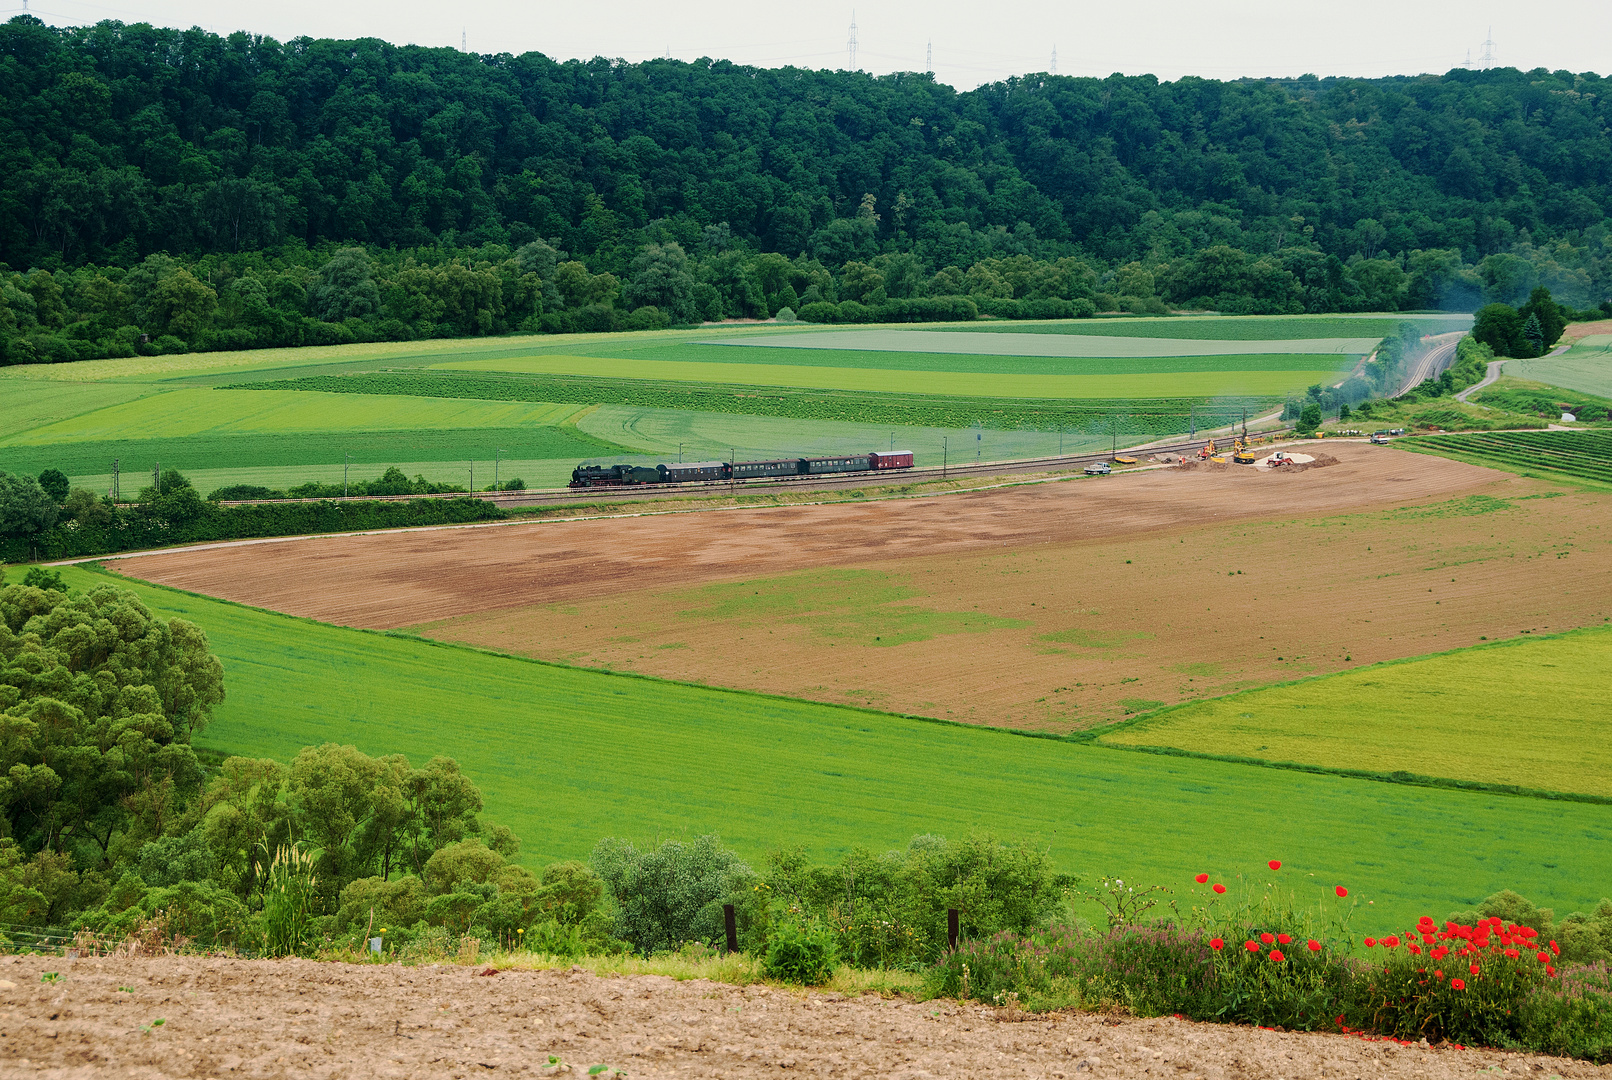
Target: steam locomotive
point(587, 476)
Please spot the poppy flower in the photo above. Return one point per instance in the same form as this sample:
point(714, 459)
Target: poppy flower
point(1457, 984)
point(1543, 958)
point(1276, 956)
point(1371, 941)
point(1341, 891)
point(1201, 878)
point(1417, 949)
point(1251, 946)
point(1267, 938)
point(1284, 939)
point(1437, 974)
point(1555, 948)
point(1315, 946)
point(1512, 953)
point(1550, 971)
point(1390, 941)
point(1475, 969)
point(1216, 944)
point(1219, 888)
point(1275, 864)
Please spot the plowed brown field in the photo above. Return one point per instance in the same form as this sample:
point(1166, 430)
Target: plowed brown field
point(212, 1017)
point(1053, 606)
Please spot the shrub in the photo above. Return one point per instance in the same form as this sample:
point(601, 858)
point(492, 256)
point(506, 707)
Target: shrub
point(800, 949)
point(785, 314)
point(819, 312)
point(671, 894)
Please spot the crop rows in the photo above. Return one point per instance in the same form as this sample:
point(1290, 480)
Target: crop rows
point(1582, 454)
point(1131, 416)
point(1224, 329)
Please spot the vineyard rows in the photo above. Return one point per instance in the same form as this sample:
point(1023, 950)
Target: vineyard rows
point(1581, 454)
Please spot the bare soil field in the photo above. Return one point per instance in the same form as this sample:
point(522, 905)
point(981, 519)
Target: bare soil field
point(1055, 606)
point(1577, 331)
point(300, 1018)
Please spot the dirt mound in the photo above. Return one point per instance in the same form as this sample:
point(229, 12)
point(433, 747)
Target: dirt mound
point(298, 1018)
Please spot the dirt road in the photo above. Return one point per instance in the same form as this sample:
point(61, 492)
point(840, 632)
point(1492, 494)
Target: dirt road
point(298, 1018)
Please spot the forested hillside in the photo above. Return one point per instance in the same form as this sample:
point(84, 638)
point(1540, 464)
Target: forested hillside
point(245, 159)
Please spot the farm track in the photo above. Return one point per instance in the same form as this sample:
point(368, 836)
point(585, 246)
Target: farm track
point(285, 1018)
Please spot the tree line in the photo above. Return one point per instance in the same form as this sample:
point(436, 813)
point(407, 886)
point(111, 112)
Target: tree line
point(176, 189)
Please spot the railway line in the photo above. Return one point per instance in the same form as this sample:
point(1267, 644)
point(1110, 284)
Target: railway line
point(514, 500)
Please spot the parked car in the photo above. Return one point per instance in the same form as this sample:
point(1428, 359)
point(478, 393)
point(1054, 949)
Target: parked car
point(1099, 468)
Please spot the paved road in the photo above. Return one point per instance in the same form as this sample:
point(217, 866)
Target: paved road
point(1430, 365)
point(1489, 378)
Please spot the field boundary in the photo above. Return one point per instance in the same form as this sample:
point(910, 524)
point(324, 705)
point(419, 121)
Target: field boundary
point(1091, 738)
point(1096, 737)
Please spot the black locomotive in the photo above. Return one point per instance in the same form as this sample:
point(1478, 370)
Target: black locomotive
point(587, 476)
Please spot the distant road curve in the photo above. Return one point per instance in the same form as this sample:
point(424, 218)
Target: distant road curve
point(1430, 365)
point(1490, 377)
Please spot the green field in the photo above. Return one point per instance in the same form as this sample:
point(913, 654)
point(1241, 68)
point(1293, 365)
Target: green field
point(1581, 455)
point(1228, 328)
point(443, 408)
point(1587, 366)
point(1546, 725)
point(566, 756)
point(1205, 384)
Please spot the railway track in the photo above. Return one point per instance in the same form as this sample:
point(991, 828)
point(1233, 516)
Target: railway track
point(770, 485)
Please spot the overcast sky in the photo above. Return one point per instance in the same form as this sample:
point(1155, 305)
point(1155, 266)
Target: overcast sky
point(972, 42)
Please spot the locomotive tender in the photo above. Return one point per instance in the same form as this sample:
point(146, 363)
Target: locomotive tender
point(586, 476)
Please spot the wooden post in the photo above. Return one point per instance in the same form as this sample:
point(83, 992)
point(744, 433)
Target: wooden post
point(733, 928)
point(951, 928)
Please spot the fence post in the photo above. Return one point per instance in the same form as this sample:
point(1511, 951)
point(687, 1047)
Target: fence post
point(733, 928)
point(951, 928)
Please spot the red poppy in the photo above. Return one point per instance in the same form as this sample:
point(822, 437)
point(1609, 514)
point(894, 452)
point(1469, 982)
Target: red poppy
point(1512, 953)
point(1267, 938)
point(1390, 941)
point(1276, 955)
point(1251, 946)
point(1370, 942)
point(1437, 974)
point(1550, 971)
point(1284, 939)
point(1555, 948)
point(1220, 888)
point(1476, 969)
point(1216, 944)
point(1440, 953)
point(1341, 891)
point(1201, 878)
point(1543, 958)
point(1457, 984)
point(1275, 864)
point(1315, 946)
point(1417, 949)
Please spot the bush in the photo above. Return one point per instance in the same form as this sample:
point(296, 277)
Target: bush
point(800, 950)
point(819, 312)
point(671, 894)
point(785, 314)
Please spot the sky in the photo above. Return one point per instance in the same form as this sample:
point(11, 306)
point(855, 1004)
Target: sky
point(970, 42)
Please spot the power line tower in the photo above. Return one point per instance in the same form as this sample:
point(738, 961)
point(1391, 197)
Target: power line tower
point(850, 43)
point(1487, 60)
point(929, 58)
point(462, 40)
point(1054, 68)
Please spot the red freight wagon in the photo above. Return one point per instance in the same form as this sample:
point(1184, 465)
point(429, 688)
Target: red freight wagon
point(894, 459)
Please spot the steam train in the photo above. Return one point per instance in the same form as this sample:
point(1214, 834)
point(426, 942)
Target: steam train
point(588, 476)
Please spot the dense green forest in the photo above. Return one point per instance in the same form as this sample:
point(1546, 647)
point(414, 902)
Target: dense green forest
point(175, 189)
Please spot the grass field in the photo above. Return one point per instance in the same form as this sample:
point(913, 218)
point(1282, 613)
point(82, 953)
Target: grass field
point(1580, 455)
point(566, 756)
point(1228, 328)
point(945, 383)
point(1587, 366)
point(975, 349)
point(1547, 724)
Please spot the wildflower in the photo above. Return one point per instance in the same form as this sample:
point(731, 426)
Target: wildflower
point(1284, 939)
point(1391, 941)
point(1371, 941)
point(1437, 974)
point(1555, 948)
point(1550, 971)
point(1440, 953)
point(1341, 891)
point(1219, 888)
point(1267, 938)
point(1457, 984)
point(1201, 878)
point(1216, 944)
point(1275, 864)
point(1475, 969)
point(1417, 949)
point(1251, 946)
point(1543, 957)
point(1276, 956)
point(1314, 945)
point(1512, 953)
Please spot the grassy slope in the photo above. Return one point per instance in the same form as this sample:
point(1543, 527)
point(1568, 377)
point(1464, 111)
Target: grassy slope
point(947, 383)
point(565, 757)
point(1586, 366)
point(1546, 725)
point(1228, 328)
